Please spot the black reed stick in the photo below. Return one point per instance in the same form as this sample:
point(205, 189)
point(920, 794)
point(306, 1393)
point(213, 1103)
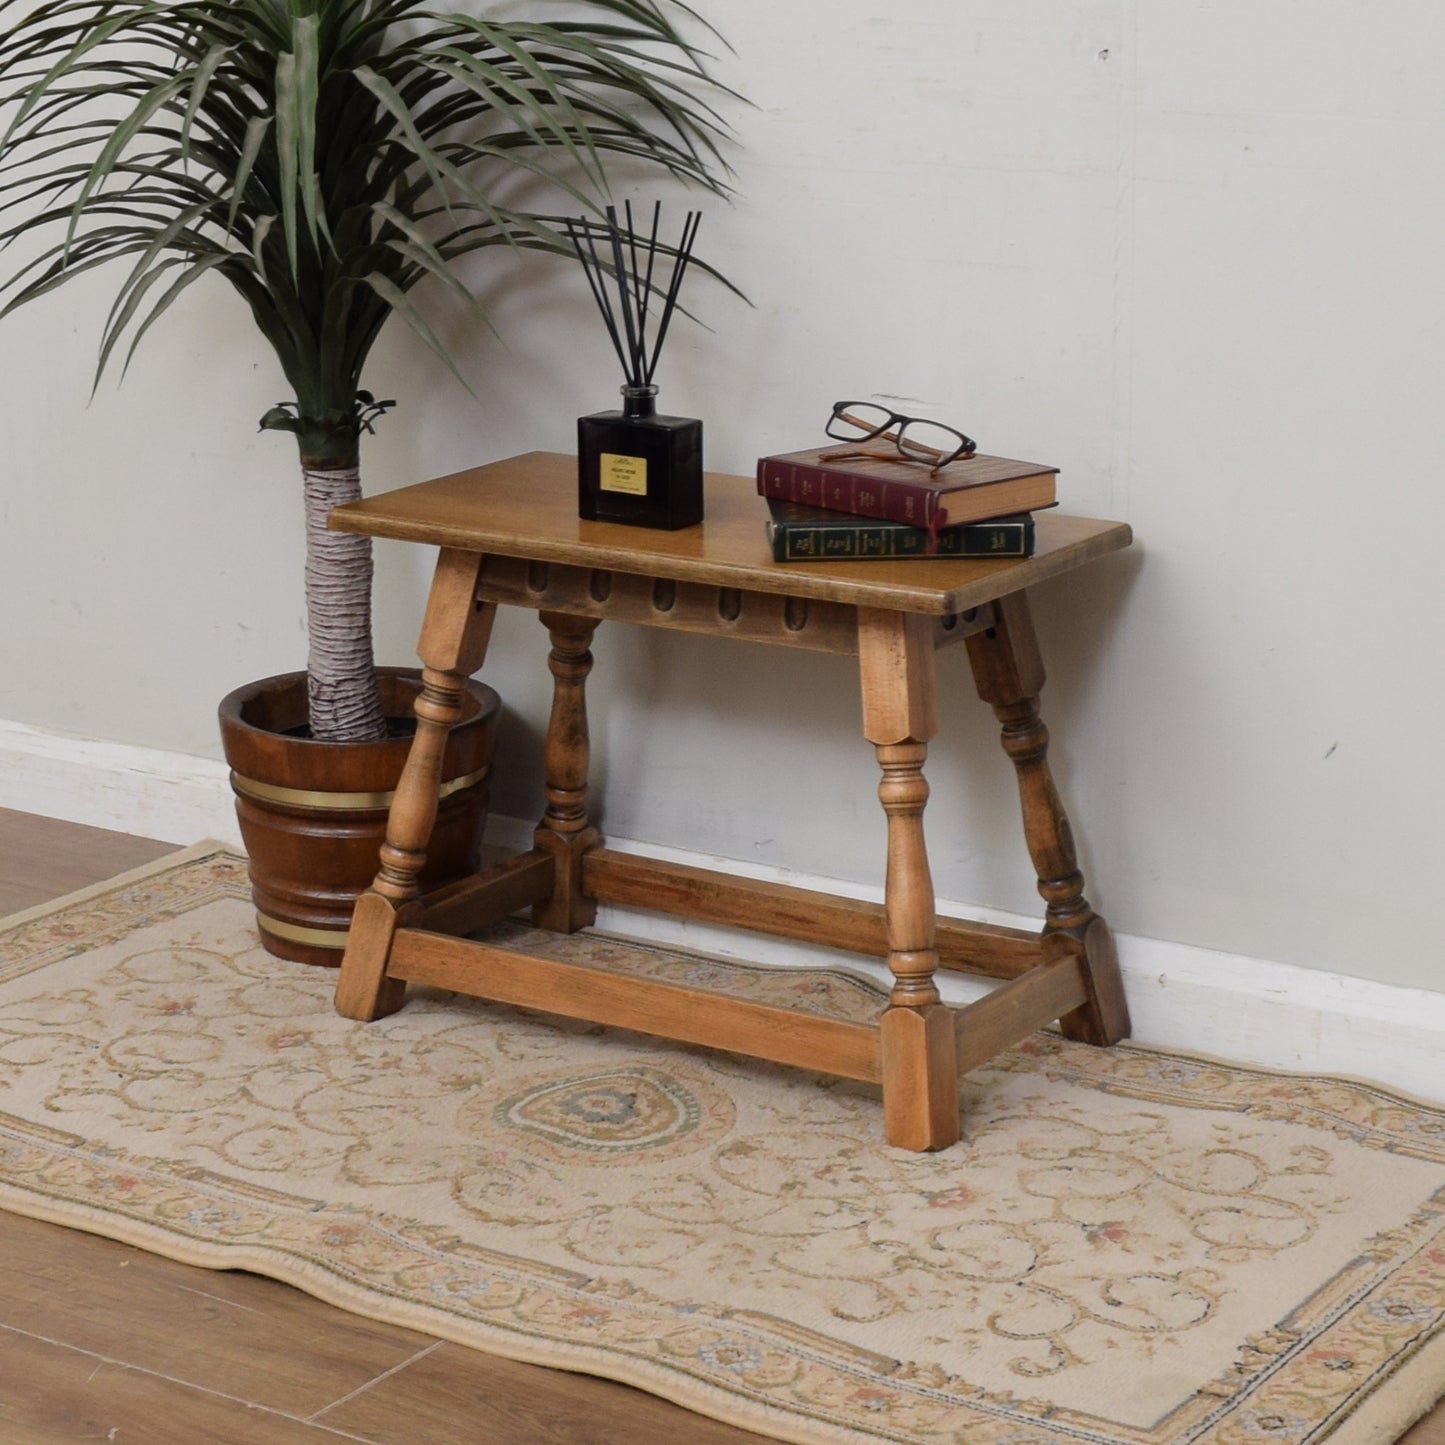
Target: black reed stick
point(626, 267)
point(684, 255)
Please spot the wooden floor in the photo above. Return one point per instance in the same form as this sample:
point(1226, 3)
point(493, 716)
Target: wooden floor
point(100, 1342)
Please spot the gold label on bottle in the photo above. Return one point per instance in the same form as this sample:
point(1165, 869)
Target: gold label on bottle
point(623, 474)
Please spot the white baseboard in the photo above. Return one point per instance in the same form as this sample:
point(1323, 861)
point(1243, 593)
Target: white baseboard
point(1250, 1010)
point(171, 796)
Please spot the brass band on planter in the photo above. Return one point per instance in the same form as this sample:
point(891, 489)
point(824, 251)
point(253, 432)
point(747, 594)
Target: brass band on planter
point(307, 798)
point(293, 933)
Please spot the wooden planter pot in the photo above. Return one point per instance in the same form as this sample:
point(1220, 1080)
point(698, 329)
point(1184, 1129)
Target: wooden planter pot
point(313, 814)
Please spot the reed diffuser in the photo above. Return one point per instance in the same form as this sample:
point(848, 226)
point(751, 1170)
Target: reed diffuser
point(634, 465)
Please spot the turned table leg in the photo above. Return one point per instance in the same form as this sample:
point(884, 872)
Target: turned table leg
point(453, 645)
point(565, 832)
point(1009, 674)
point(920, 1071)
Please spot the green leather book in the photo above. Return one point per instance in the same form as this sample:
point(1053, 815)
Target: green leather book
point(799, 533)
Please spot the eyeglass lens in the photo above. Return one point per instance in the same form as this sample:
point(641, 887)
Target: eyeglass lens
point(928, 440)
point(857, 421)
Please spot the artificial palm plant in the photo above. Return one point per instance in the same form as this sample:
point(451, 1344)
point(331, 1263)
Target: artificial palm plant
point(325, 157)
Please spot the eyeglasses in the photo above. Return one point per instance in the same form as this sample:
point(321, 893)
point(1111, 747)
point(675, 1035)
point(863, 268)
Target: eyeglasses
point(916, 439)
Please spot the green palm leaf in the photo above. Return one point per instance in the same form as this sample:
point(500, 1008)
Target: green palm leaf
point(325, 156)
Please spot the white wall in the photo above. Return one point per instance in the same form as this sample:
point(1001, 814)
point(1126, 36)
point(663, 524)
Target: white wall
point(1188, 252)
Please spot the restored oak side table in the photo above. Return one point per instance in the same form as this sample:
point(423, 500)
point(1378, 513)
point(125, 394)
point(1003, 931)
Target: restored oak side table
point(509, 534)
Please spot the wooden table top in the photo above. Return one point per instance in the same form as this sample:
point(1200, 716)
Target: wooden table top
point(526, 506)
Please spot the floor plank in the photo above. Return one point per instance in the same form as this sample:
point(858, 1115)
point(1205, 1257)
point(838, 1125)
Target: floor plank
point(51, 1392)
point(176, 1355)
point(237, 1334)
point(506, 1403)
point(43, 858)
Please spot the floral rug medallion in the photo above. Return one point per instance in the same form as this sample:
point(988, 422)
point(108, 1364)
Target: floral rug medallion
point(1129, 1247)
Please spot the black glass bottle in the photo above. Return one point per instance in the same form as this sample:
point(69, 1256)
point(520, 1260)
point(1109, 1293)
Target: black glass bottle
point(640, 468)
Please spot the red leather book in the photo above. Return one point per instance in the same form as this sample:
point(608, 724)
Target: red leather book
point(968, 490)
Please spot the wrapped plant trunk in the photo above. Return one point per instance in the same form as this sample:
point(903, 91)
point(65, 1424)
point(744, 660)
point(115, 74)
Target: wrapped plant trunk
point(341, 682)
point(340, 666)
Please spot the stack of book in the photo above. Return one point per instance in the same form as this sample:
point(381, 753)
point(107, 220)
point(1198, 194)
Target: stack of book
point(829, 509)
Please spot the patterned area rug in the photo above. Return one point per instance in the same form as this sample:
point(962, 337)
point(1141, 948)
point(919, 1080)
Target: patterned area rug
point(1129, 1247)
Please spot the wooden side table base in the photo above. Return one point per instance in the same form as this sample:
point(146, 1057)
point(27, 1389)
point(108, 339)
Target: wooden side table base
point(893, 621)
point(1104, 1018)
point(900, 713)
point(1009, 675)
point(453, 645)
point(564, 833)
